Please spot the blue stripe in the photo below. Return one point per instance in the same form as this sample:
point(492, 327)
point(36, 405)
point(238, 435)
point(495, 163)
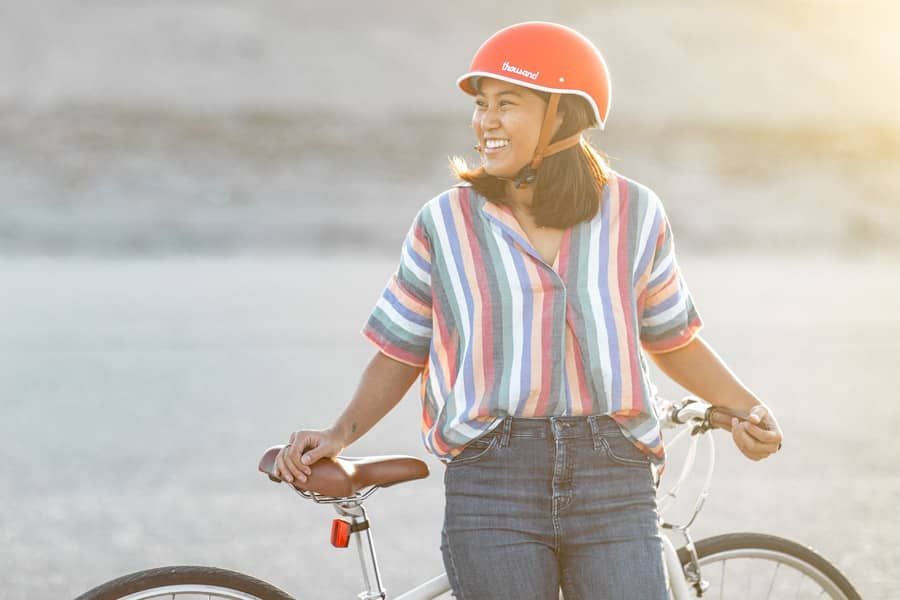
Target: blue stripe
point(650, 250)
point(440, 260)
point(527, 317)
point(403, 310)
point(467, 370)
point(661, 278)
point(662, 306)
point(421, 262)
point(437, 371)
point(612, 332)
point(526, 245)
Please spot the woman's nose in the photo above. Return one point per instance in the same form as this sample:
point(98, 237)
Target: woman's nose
point(490, 119)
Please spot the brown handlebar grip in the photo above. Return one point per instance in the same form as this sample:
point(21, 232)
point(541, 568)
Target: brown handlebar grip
point(720, 416)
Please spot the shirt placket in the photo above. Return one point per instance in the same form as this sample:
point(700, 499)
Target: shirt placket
point(520, 242)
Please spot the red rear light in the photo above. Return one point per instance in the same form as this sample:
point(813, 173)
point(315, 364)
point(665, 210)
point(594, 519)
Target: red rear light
point(340, 533)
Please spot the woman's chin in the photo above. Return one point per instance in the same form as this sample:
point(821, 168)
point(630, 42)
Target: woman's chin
point(501, 170)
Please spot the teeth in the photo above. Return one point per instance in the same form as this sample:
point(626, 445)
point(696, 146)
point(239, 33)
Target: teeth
point(496, 143)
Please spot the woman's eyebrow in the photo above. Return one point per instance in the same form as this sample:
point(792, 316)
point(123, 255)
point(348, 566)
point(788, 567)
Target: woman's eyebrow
point(504, 93)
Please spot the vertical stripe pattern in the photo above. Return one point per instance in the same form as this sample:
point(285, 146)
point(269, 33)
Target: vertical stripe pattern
point(499, 332)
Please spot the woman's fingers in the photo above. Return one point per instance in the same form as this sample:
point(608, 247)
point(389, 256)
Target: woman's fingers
point(747, 437)
point(761, 434)
point(294, 461)
point(293, 455)
point(302, 444)
point(319, 447)
point(281, 470)
point(289, 471)
point(287, 454)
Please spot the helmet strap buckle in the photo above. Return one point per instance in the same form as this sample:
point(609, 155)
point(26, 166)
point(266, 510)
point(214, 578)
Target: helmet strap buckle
point(526, 177)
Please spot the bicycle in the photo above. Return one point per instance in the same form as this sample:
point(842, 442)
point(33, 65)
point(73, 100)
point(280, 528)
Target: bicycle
point(702, 569)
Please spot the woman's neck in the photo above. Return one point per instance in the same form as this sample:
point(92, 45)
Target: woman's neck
point(519, 198)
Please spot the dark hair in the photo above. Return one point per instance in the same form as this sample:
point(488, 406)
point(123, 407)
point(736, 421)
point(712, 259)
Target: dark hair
point(569, 183)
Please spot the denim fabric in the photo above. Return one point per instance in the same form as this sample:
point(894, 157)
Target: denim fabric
point(539, 504)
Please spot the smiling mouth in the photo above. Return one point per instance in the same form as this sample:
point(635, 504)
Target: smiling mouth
point(493, 146)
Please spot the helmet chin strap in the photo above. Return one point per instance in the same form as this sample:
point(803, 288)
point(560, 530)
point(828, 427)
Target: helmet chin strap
point(527, 176)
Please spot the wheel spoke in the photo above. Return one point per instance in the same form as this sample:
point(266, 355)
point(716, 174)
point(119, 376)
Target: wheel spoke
point(799, 585)
point(748, 554)
point(722, 580)
point(774, 577)
point(749, 583)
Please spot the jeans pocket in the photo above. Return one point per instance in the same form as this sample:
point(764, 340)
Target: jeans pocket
point(621, 450)
point(476, 450)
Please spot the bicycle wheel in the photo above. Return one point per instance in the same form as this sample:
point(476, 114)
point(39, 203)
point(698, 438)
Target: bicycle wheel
point(172, 583)
point(755, 565)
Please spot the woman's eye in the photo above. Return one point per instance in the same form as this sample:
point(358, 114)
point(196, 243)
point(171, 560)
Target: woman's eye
point(503, 103)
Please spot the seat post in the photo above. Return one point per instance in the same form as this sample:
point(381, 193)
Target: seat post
point(362, 532)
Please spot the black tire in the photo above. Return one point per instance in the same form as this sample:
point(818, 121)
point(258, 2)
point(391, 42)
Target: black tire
point(732, 544)
point(145, 581)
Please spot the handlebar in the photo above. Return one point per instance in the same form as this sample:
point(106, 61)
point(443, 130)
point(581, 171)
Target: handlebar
point(702, 414)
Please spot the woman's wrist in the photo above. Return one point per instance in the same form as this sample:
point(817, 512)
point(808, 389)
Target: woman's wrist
point(742, 401)
point(340, 432)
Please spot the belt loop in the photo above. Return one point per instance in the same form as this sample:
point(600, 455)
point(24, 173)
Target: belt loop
point(595, 432)
point(504, 437)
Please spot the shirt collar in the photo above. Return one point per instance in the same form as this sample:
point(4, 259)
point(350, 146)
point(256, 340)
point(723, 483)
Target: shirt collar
point(502, 216)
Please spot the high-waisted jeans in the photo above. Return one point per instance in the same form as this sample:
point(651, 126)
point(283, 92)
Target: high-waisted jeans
point(539, 504)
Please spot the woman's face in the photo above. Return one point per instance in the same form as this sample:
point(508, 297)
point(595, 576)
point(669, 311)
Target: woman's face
point(507, 122)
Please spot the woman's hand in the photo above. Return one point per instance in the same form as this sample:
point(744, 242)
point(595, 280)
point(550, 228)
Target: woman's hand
point(295, 460)
point(759, 437)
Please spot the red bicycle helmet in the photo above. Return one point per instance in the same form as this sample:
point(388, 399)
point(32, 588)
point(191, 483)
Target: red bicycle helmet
point(547, 57)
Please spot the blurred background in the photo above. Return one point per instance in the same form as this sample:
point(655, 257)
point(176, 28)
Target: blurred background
point(201, 201)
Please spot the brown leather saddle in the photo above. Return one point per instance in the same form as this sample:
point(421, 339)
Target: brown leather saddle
point(343, 476)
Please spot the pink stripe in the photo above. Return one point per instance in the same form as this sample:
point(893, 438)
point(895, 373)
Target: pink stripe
point(580, 397)
point(420, 243)
point(618, 196)
point(587, 402)
point(470, 275)
point(428, 417)
point(563, 261)
point(408, 300)
point(536, 341)
point(543, 402)
point(625, 292)
point(673, 344)
point(487, 304)
point(441, 446)
point(392, 350)
point(445, 346)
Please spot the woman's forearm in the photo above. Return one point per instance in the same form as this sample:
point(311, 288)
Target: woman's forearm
point(383, 384)
point(697, 368)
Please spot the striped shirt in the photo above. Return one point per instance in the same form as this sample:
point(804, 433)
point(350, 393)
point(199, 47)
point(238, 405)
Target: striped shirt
point(499, 332)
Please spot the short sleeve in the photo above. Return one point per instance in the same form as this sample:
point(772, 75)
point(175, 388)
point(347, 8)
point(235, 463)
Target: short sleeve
point(400, 323)
point(669, 319)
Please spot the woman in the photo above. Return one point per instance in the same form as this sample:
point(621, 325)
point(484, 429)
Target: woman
point(525, 299)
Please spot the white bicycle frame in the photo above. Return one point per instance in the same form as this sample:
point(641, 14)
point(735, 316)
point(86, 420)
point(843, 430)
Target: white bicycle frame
point(689, 411)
